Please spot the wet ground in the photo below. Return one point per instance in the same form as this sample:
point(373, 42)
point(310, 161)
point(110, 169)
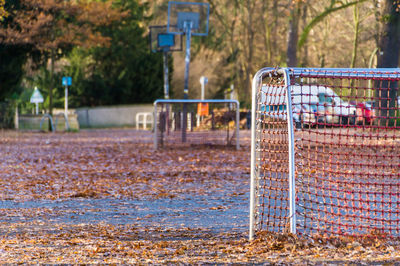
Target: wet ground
point(214, 213)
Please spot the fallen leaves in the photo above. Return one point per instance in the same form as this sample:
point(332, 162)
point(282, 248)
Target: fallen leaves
point(115, 163)
point(118, 167)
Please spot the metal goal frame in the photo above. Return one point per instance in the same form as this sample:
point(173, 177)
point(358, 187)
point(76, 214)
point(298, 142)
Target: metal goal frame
point(287, 78)
point(191, 101)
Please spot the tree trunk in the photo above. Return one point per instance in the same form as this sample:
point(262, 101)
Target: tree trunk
point(323, 48)
point(355, 46)
point(248, 66)
point(377, 22)
point(293, 35)
point(304, 60)
point(274, 31)
point(355, 40)
point(388, 57)
point(267, 33)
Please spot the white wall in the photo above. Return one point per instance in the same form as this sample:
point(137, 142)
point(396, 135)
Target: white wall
point(111, 116)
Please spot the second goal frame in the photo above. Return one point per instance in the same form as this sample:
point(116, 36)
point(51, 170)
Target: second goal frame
point(184, 102)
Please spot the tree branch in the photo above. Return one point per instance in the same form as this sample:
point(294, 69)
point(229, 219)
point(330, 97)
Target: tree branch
point(320, 17)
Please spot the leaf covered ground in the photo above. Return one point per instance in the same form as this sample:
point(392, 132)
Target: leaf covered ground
point(105, 196)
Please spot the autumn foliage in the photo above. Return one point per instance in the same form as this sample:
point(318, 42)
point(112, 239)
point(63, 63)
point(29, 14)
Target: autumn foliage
point(2, 11)
point(50, 24)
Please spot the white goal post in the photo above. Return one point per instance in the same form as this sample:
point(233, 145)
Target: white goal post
point(325, 152)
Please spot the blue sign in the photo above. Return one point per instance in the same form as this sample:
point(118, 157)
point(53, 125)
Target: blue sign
point(66, 81)
point(166, 40)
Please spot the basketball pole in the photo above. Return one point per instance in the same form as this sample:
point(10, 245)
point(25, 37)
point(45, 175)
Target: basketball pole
point(188, 32)
point(166, 81)
point(166, 86)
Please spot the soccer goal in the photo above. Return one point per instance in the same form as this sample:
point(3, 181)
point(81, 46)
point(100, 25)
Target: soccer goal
point(325, 153)
point(209, 123)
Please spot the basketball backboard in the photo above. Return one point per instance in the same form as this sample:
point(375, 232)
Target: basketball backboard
point(162, 41)
point(165, 40)
point(183, 14)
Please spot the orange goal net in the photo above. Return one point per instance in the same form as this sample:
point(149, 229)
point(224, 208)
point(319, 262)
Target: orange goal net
point(326, 152)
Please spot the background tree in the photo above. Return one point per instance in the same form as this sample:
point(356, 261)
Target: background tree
point(295, 8)
point(333, 6)
point(389, 57)
point(237, 46)
point(244, 36)
point(50, 28)
point(123, 72)
point(13, 59)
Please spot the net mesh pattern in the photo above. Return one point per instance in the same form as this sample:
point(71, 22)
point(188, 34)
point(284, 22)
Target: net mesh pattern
point(347, 153)
point(272, 162)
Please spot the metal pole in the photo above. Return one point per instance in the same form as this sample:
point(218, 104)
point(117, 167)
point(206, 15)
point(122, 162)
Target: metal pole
point(166, 81)
point(292, 184)
point(253, 164)
point(166, 87)
point(232, 92)
point(16, 118)
point(253, 176)
point(202, 90)
point(188, 32)
point(155, 126)
point(66, 106)
point(237, 125)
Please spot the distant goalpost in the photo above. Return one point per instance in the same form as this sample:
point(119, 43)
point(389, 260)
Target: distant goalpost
point(325, 152)
point(189, 19)
point(208, 123)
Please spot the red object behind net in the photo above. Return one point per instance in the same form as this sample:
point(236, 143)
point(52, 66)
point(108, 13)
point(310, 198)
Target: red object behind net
point(347, 152)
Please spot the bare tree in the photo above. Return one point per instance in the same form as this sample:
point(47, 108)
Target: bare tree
point(293, 33)
point(246, 35)
point(333, 7)
point(388, 57)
